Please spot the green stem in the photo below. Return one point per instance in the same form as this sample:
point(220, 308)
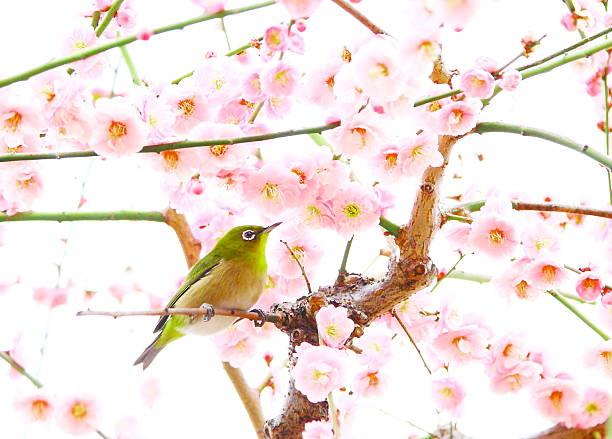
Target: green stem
point(224, 29)
point(319, 139)
point(567, 49)
point(6, 357)
point(451, 217)
point(86, 53)
point(108, 17)
point(345, 256)
point(437, 97)
point(578, 314)
point(130, 65)
point(121, 215)
point(472, 277)
point(453, 268)
point(95, 19)
point(390, 227)
point(172, 146)
point(607, 128)
point(497, 127)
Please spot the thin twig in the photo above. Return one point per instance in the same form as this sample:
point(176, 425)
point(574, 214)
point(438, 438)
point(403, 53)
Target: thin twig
point(473, 206)
point(299, 265)
point(108, 17)
point(347, 250)
point(360, 17)
point(461, 256)
point(578, 314)
point(394, 314)
point(230, 312)
point(16, 366)
point(520, 55)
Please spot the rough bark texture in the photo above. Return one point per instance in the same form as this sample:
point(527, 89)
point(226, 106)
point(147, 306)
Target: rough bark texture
point(364, 298)
point(560, 432)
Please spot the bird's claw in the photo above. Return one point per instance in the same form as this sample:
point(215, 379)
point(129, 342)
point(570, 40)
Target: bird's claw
point(210, 313)
point(262, 318)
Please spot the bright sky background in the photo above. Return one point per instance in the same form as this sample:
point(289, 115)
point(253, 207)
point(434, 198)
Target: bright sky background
point(97, 353)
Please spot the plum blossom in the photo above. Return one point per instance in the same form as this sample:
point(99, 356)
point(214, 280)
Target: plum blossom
point(211, 6)
point(371, 383)
point(78, 415)
point(375, 348)
point(589, 286)
point(187, 105)
point(304, 247)
point(118, 130)
point(35, 406)
point(318, 83)
point(455, 13)
point(378, 70)
point(216, 158)
point(237, 344)
point(510, 80)
point(280, 79)
point(219, 79)
point(539, 239)
point(546, 273)
point(524, 374)
point(556, 398)
point(477, 83)
point(461, 345)
point(459, 117)
point(318, 371)
point(359, 134)
point(273, 188)
point(494, 235)
point(593, 410)
point(20, 121)
point(418, 153)
point(82, 38)
point(448, 394)
point(355, 208)
point(334, 325)
point(600, 356)
point(515, 284)
point(51, 297)
point(20, 185)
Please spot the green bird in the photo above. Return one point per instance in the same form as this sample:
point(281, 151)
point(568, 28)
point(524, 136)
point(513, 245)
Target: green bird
point(232, 275)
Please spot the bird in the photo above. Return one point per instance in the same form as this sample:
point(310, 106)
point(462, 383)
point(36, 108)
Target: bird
point(231, 275)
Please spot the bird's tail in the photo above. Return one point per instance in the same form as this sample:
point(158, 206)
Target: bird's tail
point(149, 353)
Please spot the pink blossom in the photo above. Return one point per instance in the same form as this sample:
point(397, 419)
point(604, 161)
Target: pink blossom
point(280, 79)
point(277, 107)
point(487, 64)
point(211, 6)
point(318, 371)
point(461, 345)
point(210, 224)
point(556, 398)
point(187, 105)
point(448, 394)
point(589, 286)
point(304, 247)
point(218, 79)
point(546, 273)
point(386, 163)
point(524, 374)
point(457, 234)
point(419, 153)
point(237, 343)
point(594, 409)
point(35, 406)
point(334, 325)
point(454, 13)
point(317, 430)
point(378, 70)
point(20, 121)
point(276, 38)
point(515, 284)
point(375, 348)
point(300, 8)
point(319, 82)
point(371, 383)
point(118, 130)
point(494, 235)
point(82, 38)
point(78, 415)
point(20, 185)
point(477, 83)
point(600, 357)
point(459, 117)
point(540, 239)
point(156, 114)
point(318, 213)
point(359, 134)
point(51, 297)
point(355, 208)
point(217, 158)
point(510, 80)
point(420, 49)
point(273, 188)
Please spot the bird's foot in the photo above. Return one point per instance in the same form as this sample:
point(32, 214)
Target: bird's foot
point(262, 318)
point(209, 314)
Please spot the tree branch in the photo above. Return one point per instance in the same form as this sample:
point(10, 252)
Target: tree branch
point(108, 17)
point(359, 17)
point(86, 53)
point(120, 215)
point(474, 206)
point(498, 127)
point(174, 145)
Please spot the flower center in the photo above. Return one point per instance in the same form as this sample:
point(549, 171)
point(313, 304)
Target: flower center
point(346, 55)
point(270, 191)
point(378, 70)
point(298, 252)
point(300, 174)
point(281, 77)
point(312, 212)
point(361, 132)
point(218, 83)
point(331, 81)
point(13, 122)
point(39, 408)
point(477, 82)
point(80, 45)
point(521, 289)
point(117, 129)
point(390, 160)
point(331, 330)
point(373, 379)
point(171, 159)
point(496, 236)
point(591, 408)
point(416, 151)
point(456, 116)
point(187, 106)
point(446, 392)
point(555, 398)
point(317, 375)
point(79, 410)
point(549, 272)
point(218, 150)
point(352, 210)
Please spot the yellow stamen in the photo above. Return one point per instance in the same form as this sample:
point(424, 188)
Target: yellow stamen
point(117, 129)
point(352, 210)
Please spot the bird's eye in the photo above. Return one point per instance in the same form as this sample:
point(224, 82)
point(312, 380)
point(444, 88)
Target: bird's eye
point(248, 235)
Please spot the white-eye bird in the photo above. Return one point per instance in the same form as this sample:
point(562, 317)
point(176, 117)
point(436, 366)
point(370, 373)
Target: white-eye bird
point(231, 275)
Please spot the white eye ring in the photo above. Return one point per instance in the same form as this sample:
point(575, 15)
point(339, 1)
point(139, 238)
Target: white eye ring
point(248, 235)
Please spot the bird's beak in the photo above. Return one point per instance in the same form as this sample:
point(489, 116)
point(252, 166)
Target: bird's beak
point(270, 228)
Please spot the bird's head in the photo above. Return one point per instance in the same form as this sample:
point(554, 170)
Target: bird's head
point(244, 240)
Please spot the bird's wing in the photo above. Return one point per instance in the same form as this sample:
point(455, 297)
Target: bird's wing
point(202, 268)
